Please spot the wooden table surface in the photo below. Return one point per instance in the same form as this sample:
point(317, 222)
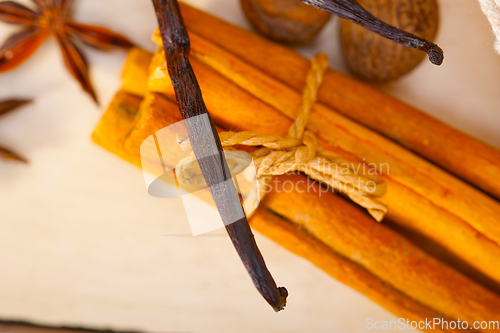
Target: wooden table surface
point(83, 244)
point(24, 327)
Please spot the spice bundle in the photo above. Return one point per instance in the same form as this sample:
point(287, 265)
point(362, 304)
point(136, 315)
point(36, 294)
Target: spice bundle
point(435, 254)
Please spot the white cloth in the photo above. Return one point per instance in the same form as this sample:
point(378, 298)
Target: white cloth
point(491, 8)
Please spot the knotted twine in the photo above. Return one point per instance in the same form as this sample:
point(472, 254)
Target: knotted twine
point(491, 8)
point(297, 151)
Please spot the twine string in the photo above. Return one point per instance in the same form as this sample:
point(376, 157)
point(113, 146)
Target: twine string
point(298, 151)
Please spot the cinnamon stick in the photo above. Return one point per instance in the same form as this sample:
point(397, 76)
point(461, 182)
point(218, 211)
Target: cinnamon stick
point(438, 142)
point(116, 124)
point(382, 251)
point(110, 134)
point(426, 200)
point(408, 169)
point(400, 267)
point(134, 75)
point(299, 241)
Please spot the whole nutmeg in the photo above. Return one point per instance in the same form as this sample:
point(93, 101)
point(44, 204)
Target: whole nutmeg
point(377, 59)
point(285, 20)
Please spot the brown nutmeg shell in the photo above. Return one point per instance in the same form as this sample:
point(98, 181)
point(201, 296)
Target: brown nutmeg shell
point(378, 59)
point(285, 20)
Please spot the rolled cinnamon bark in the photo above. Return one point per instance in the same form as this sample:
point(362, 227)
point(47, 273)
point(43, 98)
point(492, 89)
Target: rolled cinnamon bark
point(403, 166)
point(134, 77)
point(419, 195)
point(383, 252)
point(298, 240)
point(116, 124)
point(442, 144)
point(379, 261)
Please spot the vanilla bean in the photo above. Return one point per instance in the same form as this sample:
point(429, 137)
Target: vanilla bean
point(205, 142)
point(353, 11)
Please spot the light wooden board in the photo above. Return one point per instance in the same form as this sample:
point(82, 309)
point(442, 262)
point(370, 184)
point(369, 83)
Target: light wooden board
point(81, 242)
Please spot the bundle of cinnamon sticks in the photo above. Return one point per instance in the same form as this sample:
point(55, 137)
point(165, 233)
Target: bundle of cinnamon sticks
point(435, 254)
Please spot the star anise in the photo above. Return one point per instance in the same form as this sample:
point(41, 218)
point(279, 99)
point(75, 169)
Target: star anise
point(50, 18)
point(6, 106)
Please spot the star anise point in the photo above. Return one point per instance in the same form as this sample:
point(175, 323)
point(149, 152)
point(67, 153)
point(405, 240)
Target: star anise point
point(7, 106)
point(50, 19)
